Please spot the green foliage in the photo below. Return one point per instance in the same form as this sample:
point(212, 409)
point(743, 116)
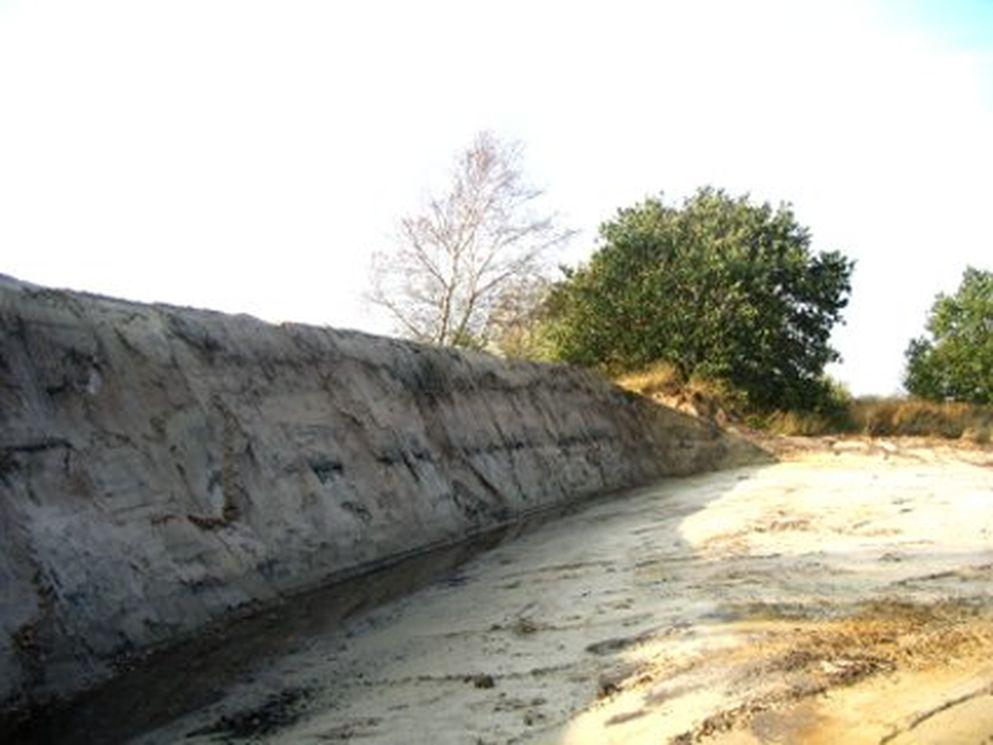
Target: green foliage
point(719, 288)
point(955, 362)
point(830, 413)
point(833, 405)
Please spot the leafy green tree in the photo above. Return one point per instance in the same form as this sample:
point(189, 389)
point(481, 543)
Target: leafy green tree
point(718, 287)
point(955, 361)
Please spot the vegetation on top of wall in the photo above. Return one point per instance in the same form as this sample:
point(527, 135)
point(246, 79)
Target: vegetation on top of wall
point(718, 288)
point(721, 402)
point(840, 413)
point(717, 305)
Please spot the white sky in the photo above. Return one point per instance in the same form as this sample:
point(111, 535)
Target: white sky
point(247, 156)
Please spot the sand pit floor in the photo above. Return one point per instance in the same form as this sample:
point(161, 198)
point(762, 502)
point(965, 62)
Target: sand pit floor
point(843, 595)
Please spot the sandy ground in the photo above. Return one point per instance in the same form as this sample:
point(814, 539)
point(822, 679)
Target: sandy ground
point(843, 595)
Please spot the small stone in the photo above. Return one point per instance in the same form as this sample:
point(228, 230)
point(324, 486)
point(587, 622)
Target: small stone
point(483, 681)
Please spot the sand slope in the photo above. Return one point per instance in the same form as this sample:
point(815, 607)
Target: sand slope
point(843, 596)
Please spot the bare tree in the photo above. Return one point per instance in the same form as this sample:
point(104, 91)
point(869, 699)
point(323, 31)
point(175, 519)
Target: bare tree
point(443, 279)
point(516, 319)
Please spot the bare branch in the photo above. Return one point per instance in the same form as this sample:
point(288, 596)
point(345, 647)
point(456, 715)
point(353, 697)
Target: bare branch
point(450, 264)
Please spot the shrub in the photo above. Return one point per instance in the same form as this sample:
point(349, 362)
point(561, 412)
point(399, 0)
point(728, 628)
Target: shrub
point(889, 417)
point(719, 288)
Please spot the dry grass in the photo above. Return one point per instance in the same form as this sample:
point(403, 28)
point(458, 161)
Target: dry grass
point(716, 400)
point(875, 417)
point(799, 424)
point(809, 659)
point(894, 417)
point(710, 399)
point(661, 377)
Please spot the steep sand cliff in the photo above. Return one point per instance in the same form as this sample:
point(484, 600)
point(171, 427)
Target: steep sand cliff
point(162, 468)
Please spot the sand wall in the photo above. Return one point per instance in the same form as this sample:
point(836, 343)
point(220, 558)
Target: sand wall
point(161, 468)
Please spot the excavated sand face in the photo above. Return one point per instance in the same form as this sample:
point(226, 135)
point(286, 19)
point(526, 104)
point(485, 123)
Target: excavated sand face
point(841, 597)
point(164, 468)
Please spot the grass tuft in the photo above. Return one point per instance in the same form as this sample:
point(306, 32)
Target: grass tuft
point(838, 413)
point(894, 417)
